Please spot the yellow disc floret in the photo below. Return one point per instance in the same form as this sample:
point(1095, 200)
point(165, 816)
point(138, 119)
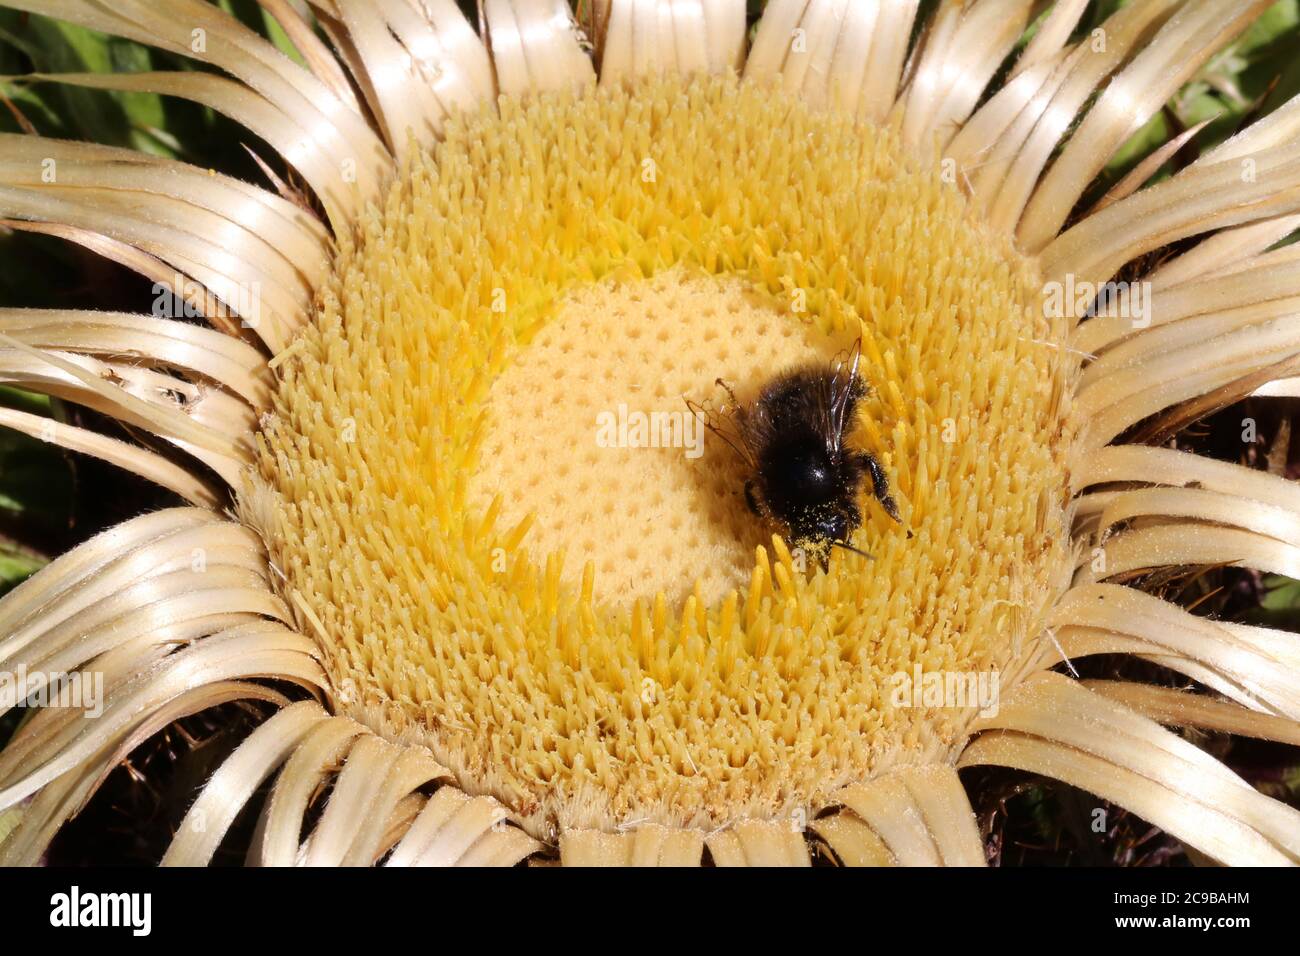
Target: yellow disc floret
point(578, 614)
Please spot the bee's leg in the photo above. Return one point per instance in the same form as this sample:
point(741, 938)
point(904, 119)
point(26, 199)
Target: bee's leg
point(730, 393)
point(750, 499)
point(879, 484)
point(853, 516)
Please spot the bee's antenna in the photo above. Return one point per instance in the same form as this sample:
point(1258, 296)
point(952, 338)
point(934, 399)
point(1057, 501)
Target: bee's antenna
point(849, 547)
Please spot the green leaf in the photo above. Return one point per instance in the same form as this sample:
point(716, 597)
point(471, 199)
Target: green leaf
point(52, 46)
point(1279, 605)
point(33, 107)
point(1291, 779)
point(1281, 594)
point(16, 567)
point(35, 482)
point(1277, 22)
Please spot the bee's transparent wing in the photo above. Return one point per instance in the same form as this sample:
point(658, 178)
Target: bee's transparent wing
point(841, 391)
point(724, 426)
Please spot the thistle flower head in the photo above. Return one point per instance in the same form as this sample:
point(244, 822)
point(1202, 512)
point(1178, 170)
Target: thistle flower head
point(445, 472)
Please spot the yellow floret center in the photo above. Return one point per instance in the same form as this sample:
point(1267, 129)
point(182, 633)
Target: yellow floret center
point(576, 611)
